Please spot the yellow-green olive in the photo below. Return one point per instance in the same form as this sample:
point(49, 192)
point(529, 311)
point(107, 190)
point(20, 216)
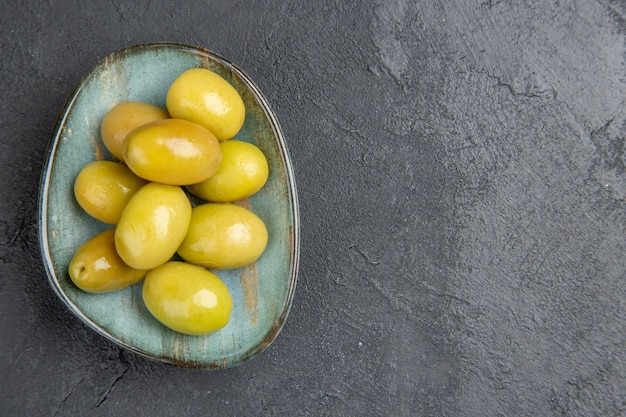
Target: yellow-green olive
point(102, 188)
point(187, 298)
point(152, 226)
point(242, 173)
point(223, 236)
point(202, 96)
point(172, 151)
point(123, 118)
point(96, 267)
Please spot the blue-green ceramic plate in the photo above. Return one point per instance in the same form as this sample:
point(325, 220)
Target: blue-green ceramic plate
point(262, 293)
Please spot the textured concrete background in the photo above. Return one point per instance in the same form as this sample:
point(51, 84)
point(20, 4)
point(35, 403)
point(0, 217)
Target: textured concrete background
point(461, 170)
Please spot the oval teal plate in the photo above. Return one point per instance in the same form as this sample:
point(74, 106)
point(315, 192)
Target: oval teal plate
point(262, 293)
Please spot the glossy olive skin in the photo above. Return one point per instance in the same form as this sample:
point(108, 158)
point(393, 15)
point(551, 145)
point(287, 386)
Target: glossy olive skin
point(103, 188)
point(123, 118)
point(223, 236)
point(187, 298)
point(152, 226)
point(97, 268)
point(242, 173)
point(202, 96)
point(172, 151)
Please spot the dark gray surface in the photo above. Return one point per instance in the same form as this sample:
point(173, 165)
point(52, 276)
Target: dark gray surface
point(462, 183)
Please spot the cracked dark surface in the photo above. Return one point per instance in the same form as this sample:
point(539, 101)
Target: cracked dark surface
point(461, 170)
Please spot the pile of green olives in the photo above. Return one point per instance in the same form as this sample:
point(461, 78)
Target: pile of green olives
point(161, 156)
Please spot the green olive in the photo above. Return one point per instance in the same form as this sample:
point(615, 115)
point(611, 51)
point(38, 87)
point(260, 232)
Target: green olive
point(102, 188)
point(96, 267)
point(223, 236)
point(242, 173)
point(123, 118)
point(172, 151)
point(152, 225)
point(202, 96)
point(187, 298)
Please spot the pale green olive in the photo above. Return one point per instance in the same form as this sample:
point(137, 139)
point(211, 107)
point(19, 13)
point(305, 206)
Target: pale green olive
point(123, 118)
point(187, 298)
point(223, 236)
point(202, 96)
point(103, 188)
point(242, 173)
point(96, 267)
point(152, 225)
point(172, 151)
